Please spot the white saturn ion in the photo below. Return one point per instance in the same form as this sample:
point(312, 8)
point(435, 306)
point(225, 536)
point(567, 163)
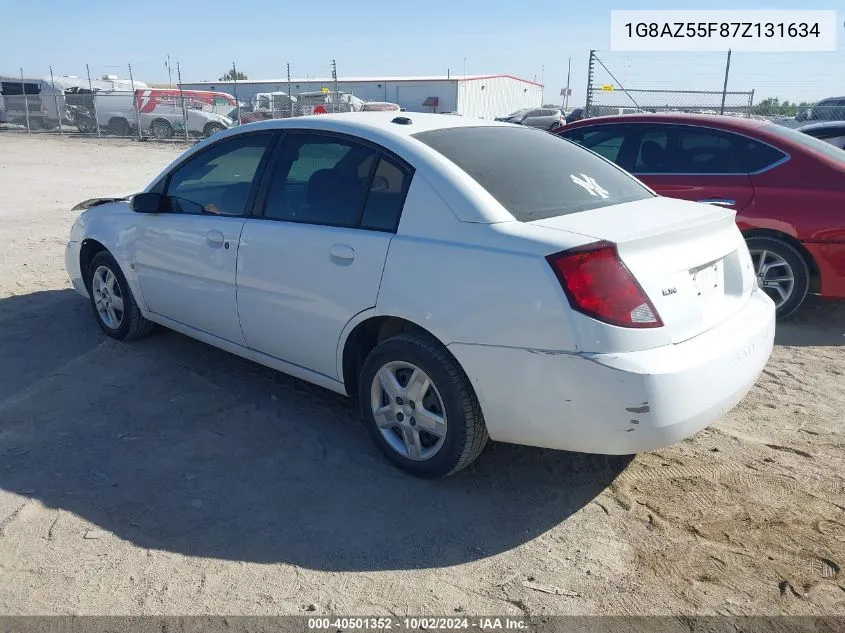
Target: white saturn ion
point(462, 278)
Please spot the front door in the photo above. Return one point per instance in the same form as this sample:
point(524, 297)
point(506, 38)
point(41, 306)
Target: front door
point(315, 258)
point(186, 255)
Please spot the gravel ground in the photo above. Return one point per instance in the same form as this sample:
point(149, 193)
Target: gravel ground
point(167, 477)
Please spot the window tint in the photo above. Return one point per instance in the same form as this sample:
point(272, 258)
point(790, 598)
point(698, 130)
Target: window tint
point(219, 179)
point(319, 180)
point(652, 152)
point(534, 174)
point(386, 196)
point(672, 149)
point(606, 142)
point(758, 155)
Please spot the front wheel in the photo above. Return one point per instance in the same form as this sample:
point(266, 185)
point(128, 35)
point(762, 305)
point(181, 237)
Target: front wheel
point(213, 128)
point(114, 306)
point(782, 273)
point(420, 407)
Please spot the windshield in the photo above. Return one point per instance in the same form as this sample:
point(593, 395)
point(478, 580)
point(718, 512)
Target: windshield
point(534, 174)
point(810, 142)
point(517, 113)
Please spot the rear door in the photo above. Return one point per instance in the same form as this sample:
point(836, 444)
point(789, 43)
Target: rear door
point(693, 163)
point(330, 206)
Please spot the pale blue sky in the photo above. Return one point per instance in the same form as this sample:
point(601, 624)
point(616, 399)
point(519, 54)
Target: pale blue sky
point(369, 38)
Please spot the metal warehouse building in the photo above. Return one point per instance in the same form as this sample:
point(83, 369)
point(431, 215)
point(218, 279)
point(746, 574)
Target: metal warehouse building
point(483, 96)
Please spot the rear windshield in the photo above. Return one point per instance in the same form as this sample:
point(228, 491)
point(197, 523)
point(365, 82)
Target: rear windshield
point(534, 174)
point(810, 142)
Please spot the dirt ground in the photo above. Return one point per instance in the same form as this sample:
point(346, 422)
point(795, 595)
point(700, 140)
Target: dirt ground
point(167, 477)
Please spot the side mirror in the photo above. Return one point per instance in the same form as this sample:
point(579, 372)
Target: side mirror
point(147, 202)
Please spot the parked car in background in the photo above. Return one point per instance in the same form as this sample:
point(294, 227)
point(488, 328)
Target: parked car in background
point(380, 106)
point(327, 103)
point(544, 118)
point(340, 248)
point(832, 132)
point(786, 187)
point(830, 109)
point(270, 105)
point(576, 114)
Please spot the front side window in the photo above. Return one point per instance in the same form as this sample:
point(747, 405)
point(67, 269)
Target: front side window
point(219, 179)
point(319, 180)
point(533, 174)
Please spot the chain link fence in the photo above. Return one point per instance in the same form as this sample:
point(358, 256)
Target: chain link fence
point(109, 105)
point(620, 83)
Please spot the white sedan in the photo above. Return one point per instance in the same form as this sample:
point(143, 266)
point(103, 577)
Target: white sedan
point(464, 279)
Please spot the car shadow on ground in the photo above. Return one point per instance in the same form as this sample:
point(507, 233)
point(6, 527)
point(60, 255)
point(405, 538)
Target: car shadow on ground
point(818, 322)
point(173, 445)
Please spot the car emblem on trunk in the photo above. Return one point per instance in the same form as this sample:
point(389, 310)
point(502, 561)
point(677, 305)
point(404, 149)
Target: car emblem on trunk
point(669, 291)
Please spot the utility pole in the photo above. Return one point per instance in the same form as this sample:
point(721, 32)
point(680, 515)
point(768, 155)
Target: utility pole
point(336, 91)
point(56, 95)
point(566, 93)
point(542, 84)
point(93, 100)
point(290, 100)
point(182, 99)
point(235, 82)
point(25, 104)
point(137, 103)
point(725, 87)
point(590, 71)
point(169, 72)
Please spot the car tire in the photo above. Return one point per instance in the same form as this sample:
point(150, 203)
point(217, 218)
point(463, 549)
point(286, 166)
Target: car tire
point(119, 127)
point(212, 128)
point(161, 129)
point(449, 396)
point(108, 289)
point(777, 261)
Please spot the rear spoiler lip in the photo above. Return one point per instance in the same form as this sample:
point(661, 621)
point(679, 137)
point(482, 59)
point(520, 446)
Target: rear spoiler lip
point(93, 202)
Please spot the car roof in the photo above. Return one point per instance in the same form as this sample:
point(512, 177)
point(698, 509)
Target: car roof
point(705, 120)
point(366, 123)
point(822, 125)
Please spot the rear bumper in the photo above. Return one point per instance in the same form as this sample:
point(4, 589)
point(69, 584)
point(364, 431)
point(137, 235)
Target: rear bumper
point(830, 258)
point(620, 403)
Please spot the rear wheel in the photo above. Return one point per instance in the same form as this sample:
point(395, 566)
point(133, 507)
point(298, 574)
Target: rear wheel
point(119, 127)
point(782, 272)
point(419, 406)
point(161, 129)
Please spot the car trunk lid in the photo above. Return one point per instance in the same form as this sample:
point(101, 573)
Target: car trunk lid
point(689, 258)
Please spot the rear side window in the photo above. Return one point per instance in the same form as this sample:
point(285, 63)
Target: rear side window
point(533, 174)
point(386, 196)
point(759, 156)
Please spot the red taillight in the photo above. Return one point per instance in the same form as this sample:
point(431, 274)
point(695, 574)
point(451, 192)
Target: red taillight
point(598, 284)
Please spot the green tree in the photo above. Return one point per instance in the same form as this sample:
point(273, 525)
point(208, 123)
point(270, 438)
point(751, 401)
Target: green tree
point(231, 75)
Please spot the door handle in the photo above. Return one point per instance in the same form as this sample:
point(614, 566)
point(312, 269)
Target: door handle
point(342, 254)
point(215, 238)
point(721, 202)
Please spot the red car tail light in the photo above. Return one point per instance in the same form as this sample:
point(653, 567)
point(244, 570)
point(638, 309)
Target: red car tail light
point(598, 284)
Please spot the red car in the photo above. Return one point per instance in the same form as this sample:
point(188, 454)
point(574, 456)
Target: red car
point(787, 188)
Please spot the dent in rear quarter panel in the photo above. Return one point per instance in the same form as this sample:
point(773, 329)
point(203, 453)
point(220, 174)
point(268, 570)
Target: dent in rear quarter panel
point(486, 284)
